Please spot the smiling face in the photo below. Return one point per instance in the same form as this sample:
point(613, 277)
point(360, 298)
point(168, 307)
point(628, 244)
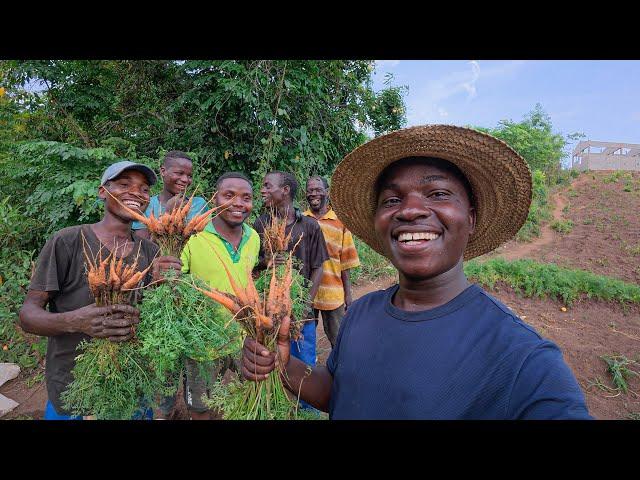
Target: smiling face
point(423, 217)
point(131, 188)
point(177, 175)
point(240, 193)
point(316, 195)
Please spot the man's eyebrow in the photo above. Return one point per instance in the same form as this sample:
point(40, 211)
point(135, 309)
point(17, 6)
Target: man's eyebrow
point(389, 186)
point(433, 178)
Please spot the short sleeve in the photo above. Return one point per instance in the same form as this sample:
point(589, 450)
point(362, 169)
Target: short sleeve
point(545, 388)
point(348, 255)
point(52, 266)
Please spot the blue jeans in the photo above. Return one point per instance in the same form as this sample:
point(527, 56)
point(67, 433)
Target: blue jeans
point(51, 414)
point(305, 349)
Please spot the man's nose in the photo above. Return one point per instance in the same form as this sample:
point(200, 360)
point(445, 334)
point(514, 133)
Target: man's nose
point(412, 208)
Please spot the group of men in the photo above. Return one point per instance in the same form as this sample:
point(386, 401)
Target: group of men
point(433, 346)
point(59, 279)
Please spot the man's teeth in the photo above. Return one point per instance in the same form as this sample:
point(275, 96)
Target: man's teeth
point(406, 237)
point(132, 204)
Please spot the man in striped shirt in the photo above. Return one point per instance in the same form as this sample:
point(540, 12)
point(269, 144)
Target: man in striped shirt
point(334, 295)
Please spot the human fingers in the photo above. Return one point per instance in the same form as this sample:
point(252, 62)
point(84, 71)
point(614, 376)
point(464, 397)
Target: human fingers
point(249, 374)
point(283, 332)
point(126, 309)
point(117, 332)
point(253, 346)
point(119, 322)
point(122, 338)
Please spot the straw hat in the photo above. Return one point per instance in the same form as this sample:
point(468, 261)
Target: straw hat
point(500, 180)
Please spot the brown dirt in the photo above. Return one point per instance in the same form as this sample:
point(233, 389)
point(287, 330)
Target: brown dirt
point(605, 238)
point(584, 332)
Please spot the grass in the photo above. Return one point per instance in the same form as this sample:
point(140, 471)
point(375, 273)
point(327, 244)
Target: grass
point(549, 280)
point(562, 226)
point(539, 211)
point(635, 251)
point(372, 264)
point(618, 368)
point(614, 177)
point(587, 221)
point(34, 380)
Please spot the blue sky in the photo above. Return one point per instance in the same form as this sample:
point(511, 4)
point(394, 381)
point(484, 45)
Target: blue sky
point(598, 98)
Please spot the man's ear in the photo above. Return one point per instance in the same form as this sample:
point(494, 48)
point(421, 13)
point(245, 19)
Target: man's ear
point(102, 194)
point(287, 189)
point(163, 171)
point(472, 220)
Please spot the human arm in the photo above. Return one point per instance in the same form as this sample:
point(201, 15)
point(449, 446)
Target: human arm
point(546, 389)
point(316, 277)
point(346, 285)
point(348, 260)
point(313, 384)
point(113, 322)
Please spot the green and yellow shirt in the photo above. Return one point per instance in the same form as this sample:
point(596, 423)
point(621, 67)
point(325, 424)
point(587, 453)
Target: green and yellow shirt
point(199, 257)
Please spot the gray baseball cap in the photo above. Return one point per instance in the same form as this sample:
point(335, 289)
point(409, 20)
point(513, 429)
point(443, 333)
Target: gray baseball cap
point(117, 168)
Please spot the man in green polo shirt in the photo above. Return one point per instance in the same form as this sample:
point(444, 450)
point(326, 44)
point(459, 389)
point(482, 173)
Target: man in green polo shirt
point(238, 245)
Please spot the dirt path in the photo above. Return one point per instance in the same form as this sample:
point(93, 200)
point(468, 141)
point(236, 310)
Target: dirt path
point(513, 250)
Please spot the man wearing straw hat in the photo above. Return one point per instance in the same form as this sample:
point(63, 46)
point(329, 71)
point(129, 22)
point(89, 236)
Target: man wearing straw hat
point(434, 346)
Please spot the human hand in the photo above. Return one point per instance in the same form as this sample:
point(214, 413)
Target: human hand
point(279, 258)
point(347, 301)
point(173, 202)
point(258, 362)
point(113, 322)
point(164, 264)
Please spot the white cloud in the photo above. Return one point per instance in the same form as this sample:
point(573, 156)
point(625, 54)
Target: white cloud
point(430, 100)
point(470, 86)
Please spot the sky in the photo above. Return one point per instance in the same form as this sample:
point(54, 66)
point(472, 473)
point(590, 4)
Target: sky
point(599, 98)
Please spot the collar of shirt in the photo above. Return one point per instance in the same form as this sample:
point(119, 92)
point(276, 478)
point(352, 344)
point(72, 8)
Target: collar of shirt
point(235, 254)
point(330, 215)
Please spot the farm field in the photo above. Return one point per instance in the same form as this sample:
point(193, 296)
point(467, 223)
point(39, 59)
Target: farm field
point(595, 227)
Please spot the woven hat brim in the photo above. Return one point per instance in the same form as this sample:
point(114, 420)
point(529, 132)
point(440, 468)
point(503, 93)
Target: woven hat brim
point(500, 180)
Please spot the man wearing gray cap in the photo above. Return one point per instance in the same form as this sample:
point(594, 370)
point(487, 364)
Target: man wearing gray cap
point(59, 279)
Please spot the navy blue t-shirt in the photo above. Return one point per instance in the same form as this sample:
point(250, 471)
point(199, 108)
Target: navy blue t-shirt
point(471, 358)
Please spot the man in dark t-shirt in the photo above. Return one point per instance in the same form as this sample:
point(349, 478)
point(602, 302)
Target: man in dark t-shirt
point(60, 280)
point(278, 191)
point(433, 346)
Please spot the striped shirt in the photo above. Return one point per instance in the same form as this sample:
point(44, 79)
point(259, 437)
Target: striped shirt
point(342, 256)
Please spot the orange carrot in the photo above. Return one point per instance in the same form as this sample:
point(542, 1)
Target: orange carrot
point(222, 299)
point(135, 279)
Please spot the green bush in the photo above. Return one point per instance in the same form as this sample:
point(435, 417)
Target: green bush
point(16, 230)
point(547, 279)
point(539, 211)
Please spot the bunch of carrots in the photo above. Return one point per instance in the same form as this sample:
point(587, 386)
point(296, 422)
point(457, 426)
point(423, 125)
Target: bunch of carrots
point(171, 230)
point(111, 281)
point(260, 317)
point(275, 236)
point(109, 378)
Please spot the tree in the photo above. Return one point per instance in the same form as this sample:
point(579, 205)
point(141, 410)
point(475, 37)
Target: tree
point(534, 139)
